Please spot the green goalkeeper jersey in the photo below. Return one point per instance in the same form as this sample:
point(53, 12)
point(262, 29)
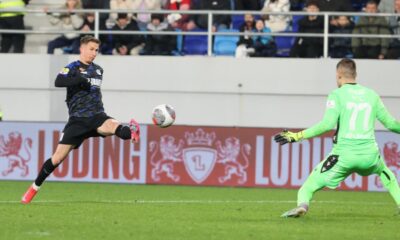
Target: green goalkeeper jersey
point(353, 109)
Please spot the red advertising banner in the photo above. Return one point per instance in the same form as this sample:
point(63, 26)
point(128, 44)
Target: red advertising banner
point(25, 146)
point(185, 155)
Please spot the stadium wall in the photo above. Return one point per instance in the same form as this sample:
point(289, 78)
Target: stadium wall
point(216, 91)
point(180, 155)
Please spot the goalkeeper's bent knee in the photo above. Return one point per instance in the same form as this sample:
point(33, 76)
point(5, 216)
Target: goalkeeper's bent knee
point(123, 132)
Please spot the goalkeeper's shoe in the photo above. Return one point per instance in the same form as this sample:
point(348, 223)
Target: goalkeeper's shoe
point(29, 194)
point(135, 130)
point(295, 212)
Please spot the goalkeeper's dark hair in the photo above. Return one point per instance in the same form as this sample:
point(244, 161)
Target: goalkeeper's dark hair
point(88, 38)
point(347, 67)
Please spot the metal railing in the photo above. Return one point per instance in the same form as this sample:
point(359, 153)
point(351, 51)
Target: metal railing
point(325, 35)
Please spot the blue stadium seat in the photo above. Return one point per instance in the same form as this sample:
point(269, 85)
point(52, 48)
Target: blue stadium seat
point(237, 21)
point(195, 45)
point(295, 22)
point(284, 44)
point(179, 44)
point(225, 45)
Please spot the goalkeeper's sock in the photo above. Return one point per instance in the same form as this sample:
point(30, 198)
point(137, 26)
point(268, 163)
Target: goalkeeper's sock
point(389, 180)
point(46, 170)
point(123, 132)
point(306, 192)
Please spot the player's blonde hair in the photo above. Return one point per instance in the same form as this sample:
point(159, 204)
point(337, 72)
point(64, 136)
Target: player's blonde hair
point(347, 68)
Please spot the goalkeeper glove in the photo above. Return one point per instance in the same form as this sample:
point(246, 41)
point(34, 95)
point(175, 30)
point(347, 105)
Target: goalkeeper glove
point(288, 137)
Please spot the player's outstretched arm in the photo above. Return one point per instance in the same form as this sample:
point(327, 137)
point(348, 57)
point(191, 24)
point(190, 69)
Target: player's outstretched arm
point(71, 77)
point(329, 121)
point(386, 118)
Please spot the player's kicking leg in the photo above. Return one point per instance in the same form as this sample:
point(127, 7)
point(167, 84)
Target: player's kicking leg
point(112, 126)
point(48, 167)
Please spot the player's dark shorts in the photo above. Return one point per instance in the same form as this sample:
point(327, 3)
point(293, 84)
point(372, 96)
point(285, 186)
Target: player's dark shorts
point(80, 128)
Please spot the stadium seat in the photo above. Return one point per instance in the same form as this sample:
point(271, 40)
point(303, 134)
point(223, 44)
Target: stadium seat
point(295, 22)
point(284, 44)
point(225, 45)
point(237, 21)
point(179, 43)
point(195, 45)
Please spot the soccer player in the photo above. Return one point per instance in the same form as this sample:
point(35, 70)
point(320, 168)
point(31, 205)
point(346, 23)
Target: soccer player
point(87, 118)
point(353, 108)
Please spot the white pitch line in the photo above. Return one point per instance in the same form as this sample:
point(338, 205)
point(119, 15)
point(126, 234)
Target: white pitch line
point(196, 202)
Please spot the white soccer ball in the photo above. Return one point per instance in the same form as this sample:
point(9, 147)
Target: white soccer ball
point(163, 115)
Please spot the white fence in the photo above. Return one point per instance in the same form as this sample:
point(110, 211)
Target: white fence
point(325, 35)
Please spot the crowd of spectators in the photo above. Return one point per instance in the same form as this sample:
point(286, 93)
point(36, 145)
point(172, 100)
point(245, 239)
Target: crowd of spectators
point(248, 45)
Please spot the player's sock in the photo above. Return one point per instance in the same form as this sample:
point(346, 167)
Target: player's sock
point(389, 180)
point(306, 192)
point(123, 132)
point(46, 170)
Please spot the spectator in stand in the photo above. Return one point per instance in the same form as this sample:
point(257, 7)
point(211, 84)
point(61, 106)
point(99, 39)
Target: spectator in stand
point(371, 47)
point(143, 19)
point(250, 5)
point(67, 21)
point(245, 43)
point(159, 44)
point(127, 44)
point(335, 5)
point(177, 20)
point(219, 21)
point(387, 6)
point(394, 24)
point(277, 23)
point(12, 20)
point(255, 46)
point(309, 47)
point(98, 4)
point(119, 5)
point(341, 47)
point(87, 26)
point(264, 45)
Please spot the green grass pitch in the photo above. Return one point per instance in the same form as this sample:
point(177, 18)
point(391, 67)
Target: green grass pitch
point(124, 211)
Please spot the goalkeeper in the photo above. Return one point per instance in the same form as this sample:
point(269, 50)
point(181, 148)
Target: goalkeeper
point(353, 108)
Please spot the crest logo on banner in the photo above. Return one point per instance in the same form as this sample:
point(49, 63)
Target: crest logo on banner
point(11, 148)
point(200, 154)
point(391, 154)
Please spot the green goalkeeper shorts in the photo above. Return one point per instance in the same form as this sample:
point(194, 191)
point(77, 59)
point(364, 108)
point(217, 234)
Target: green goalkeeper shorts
point(336, 168)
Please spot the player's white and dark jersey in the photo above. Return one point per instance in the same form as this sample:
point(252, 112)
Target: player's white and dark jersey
point(83, 84)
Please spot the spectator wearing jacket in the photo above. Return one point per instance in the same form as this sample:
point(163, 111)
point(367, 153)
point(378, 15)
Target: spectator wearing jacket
point(159, 44)
point(341, 47)
point(68, 21)
point(394, 24)
point(277, 23)
point(127, 44)
point(309, 47)
point(143, 19)
point(375, 48)
point(219, 21)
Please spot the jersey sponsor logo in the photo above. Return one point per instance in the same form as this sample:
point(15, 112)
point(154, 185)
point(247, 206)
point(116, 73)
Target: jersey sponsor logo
point(330, 104)
point(64, 71)
point(95, 82)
